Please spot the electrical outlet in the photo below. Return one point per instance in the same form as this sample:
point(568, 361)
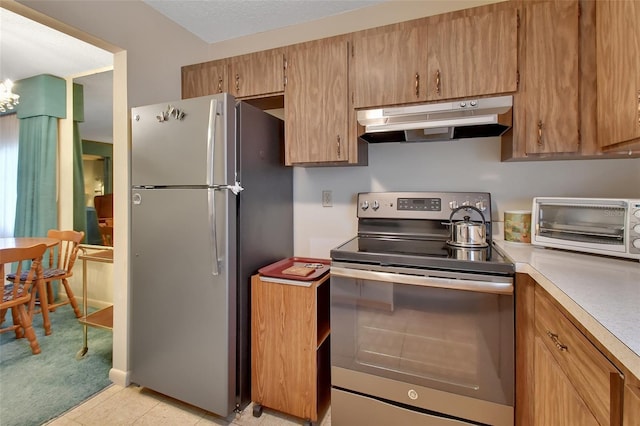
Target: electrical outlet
point(327, 198)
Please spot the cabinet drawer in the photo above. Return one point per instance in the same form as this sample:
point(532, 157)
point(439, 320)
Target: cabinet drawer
point(596, 380)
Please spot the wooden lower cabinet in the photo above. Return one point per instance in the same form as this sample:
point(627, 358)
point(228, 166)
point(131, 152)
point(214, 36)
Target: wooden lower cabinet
point(556, 400)
point(563, 376)
point(290, 364)
point(571, 382)
point(632, 404)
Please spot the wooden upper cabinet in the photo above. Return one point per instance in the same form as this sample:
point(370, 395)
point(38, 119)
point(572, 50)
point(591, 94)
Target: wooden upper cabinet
point(316, 105)
point(550, 78)
point(472, 55)
point(204, 79)
point(257, 74)
point(618, 71)
point(388, 64)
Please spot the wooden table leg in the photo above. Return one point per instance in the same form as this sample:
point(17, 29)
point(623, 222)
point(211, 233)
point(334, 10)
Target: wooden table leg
point(44, 304)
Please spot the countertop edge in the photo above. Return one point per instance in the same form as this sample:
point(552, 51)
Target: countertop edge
point(606, 338)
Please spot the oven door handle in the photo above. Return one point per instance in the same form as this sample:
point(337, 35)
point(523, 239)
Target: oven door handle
point(494, 287)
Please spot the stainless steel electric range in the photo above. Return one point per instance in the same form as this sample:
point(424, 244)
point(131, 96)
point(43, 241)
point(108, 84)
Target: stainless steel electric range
point(422, 329)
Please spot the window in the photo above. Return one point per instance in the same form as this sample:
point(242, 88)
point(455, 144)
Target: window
point(8, 173)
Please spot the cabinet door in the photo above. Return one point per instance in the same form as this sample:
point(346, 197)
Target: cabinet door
point(556, 402)
point(551, 77)
point(316, 103)
point(472, 56)
point(618, 71)
point(204, 79)
point(632, 405)
point(388, 64)
point(257, 74)
point(594, 379)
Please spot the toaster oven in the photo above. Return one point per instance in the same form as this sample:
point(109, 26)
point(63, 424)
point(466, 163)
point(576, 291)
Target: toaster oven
point(606, 226)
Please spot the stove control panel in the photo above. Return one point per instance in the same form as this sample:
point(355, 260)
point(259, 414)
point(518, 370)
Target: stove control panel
point(422, 205)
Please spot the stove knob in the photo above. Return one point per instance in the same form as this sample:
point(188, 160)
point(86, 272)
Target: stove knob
point(453, 205)
point(364, 205)
point(636, 243)
point(466, 203)
point(480, 205)
point(636, 213)
point(375, 205)
point(637, 228)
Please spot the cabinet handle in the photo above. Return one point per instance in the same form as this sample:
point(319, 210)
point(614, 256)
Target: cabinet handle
point(237, 83)
point(338, 144)
point(540, 133)
point(554, 339)
point(639, 107)
point(219, 84)
point(417, 85)
point(285, 65)
point(438, 82)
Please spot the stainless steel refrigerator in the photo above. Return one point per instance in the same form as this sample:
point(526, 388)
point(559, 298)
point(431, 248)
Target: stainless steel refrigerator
point(211, 203)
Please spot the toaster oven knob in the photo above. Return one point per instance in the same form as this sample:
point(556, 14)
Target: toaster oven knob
point(375, 205)
point(364, 205)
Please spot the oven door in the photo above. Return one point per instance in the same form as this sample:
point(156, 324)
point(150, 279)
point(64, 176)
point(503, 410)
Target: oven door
point(439, 341)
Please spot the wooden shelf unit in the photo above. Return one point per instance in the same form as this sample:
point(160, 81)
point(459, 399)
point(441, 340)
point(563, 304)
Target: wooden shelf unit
point(290, 340)
point(102, 318)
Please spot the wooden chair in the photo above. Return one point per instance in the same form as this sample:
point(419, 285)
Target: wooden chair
point(60, 267)
point(106, 232)
point(104, 207)
point(17, 293)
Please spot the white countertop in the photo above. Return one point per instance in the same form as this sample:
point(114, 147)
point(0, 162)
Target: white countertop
point(602, 293)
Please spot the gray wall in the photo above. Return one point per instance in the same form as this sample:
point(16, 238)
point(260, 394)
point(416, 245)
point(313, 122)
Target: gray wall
point(468, 165)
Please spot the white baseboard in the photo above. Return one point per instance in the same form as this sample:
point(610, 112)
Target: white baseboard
point(119, 377)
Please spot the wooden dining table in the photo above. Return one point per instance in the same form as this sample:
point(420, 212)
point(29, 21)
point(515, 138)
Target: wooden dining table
point(21, 242)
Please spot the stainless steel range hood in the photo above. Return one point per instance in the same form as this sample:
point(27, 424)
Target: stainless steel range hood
point(469, 118)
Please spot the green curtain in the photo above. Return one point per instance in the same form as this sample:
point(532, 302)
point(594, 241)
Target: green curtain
point(108, 175)
point(79, 205)
point(36, 204)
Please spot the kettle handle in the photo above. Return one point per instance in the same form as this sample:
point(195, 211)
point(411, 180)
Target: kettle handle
point(484, 220)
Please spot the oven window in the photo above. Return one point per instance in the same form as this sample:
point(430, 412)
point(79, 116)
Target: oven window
point(451, 340)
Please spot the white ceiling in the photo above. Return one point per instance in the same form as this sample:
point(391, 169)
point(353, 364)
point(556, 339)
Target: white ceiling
point(28, 48)
point(218, 20)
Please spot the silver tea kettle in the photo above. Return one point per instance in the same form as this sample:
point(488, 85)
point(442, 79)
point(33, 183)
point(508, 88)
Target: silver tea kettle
point(466, 233)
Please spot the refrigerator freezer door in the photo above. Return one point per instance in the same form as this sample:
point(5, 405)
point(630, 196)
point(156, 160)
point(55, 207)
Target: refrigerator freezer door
point(173, 150)
point(182, 343)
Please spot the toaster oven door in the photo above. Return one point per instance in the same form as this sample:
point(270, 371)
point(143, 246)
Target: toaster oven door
point(581, 224)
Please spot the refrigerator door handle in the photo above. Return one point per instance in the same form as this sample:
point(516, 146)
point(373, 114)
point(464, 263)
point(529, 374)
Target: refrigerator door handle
point(211, 140)
point(213, 238)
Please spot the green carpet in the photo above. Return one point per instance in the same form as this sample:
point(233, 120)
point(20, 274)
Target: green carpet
point(37, 388)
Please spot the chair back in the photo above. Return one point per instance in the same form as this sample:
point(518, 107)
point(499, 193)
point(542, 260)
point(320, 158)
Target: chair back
point(15, 291)
point(106, 232)
point(104, 207)
point(63, 255)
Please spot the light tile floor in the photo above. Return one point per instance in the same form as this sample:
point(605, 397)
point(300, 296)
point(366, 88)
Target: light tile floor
point(117, 405)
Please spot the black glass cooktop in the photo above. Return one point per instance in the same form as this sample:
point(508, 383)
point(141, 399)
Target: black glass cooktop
point(422, 253)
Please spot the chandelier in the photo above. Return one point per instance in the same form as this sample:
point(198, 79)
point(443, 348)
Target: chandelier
point(7, 99)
